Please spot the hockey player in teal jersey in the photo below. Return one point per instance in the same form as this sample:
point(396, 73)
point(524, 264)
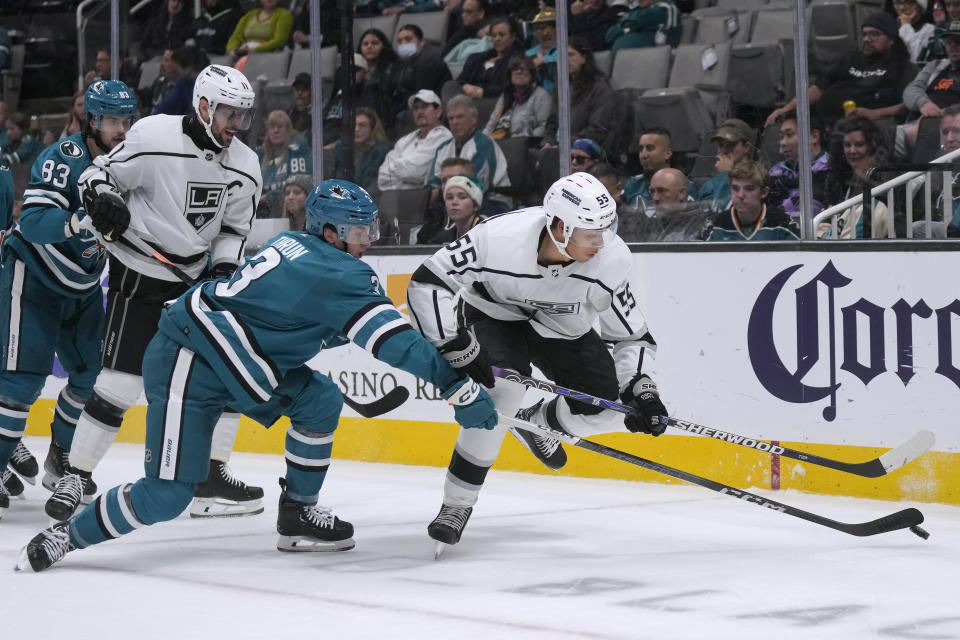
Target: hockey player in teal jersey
point(50, 296)
point(243, 341)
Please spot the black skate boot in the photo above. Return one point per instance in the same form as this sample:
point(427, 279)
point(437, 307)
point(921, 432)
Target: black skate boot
point(303, 527)
point(223, 495)
point(547, 450)
point(54, 468)
point(4, 500)
point(11, 482)
point(67, 495)
point(23, 462)
point(448, 526)
point(47, 547)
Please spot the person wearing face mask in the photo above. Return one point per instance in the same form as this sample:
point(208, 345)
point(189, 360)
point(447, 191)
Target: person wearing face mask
point(420, 67)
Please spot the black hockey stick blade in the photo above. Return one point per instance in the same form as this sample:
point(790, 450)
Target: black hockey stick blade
point(892, 460)
point(908, 518)
point(390, 401)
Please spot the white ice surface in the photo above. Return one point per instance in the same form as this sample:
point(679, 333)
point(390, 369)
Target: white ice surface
point(542, 557)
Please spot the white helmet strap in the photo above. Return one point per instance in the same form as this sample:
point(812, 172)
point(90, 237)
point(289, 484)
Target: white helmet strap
point(561, 247)
point(208, 125)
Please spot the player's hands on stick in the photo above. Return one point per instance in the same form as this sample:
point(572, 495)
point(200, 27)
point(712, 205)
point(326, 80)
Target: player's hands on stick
point(109, 215)
point(466, 355)
point(641, 394)
point(472, 405)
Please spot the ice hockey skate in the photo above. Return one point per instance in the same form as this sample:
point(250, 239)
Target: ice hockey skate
point(67, 495)
point(4, 500)
point(448, 526)
point(304, 527)
point(223, 495)
point(54, 468)
point(24, 464)
point(47, 547)
point(11, 482)
point(547, 450)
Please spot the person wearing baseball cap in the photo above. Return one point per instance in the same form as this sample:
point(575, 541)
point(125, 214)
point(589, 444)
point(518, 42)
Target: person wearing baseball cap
point(872, 76)
point(734, 141)
point(544, 53)
point(408, 163)
point(300, 112)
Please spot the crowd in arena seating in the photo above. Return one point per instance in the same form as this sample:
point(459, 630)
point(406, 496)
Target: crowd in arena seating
point(483, 98)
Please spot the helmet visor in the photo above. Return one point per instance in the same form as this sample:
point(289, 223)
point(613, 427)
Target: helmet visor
point(363, 233)
point(231, 117)
point(111, 124)
point(594, 238)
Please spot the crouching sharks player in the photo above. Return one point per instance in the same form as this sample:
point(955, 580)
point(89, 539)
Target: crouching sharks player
point(243, 341)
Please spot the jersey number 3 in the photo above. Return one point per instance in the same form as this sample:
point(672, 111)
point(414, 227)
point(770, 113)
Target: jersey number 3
point(257, 267)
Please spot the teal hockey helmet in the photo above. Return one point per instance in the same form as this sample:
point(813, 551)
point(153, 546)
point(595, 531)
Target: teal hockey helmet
point(345, 206)
point(108, 98)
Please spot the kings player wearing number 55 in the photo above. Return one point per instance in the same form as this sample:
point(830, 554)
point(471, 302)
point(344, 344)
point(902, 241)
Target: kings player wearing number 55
point(50, 297)
point(243, 341)
point(532, 284)
point(184, 185)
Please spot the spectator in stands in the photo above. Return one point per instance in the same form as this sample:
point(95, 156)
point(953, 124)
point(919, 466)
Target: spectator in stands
point(523, 107)
point(470, 143)
point(101, 68)
point(263, 29)
point(329, 23)
point(380, 57)
point(74, 122)
point(593, 108)
point(591, 19)
point(611, 180)
point(935, 49)
point(733, 145)
point(750, 217)
point(584, 154)
point(4, 114)
point(485, 74)
point(674, 217)
point(300, 111)
point(21, 146)
point(462, 198)
point(435, 219)
point(186, 64)
point(650, 23)
point(4, 48)
point(873, 76)
point(784, 176)
point(939, 226)
point(369, 150)
point(364, 95)
point(281, 156)
point(420, 67)
point(655, 152)
point(391, 8)
point(857, 145)
point(544, 53)
point(915, 29)
point(466, 22)
point(161, 85)
point(408, 164)
point(211, 31)
point(295, 194)
point(169, 28)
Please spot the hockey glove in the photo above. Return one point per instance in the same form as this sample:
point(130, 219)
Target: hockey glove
point(109, 215)
point(641, 395)
point(466, 355)
point(472, 405)
point(220, 270)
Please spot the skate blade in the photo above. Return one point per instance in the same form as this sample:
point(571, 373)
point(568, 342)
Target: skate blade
point(49, 481)
point(23, 561)
point(31, 480)
point(218, 508)
point(308, 544)
point(438, 550)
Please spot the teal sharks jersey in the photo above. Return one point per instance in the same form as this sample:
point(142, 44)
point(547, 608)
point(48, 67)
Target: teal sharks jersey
point(7, 196)
point(285, 304)
point(71, 265)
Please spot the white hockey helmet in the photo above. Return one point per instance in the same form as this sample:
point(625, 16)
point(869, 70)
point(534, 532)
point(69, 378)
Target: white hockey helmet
point(586, 208)
point(228, 88)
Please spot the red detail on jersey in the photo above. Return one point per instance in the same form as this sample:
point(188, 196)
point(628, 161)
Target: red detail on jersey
point(944, 85)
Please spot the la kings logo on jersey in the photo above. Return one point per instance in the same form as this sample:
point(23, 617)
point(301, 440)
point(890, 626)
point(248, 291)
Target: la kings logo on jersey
point(204, 200)
point(555, 308)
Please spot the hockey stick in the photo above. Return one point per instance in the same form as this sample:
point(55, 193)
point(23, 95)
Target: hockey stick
point(390, 401)
point(145, 249)
point(889, 461)
point(907, 518)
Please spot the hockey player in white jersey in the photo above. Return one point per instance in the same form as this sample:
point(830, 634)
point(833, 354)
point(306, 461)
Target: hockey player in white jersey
point(532, 284)
point(187, 187)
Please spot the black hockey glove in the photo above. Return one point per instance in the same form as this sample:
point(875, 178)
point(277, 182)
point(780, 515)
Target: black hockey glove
point(220, 270)
point(109, 215)
point(465, 354)
point(641, 395)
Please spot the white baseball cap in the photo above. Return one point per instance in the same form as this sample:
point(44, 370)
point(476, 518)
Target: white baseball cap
point(425, 95)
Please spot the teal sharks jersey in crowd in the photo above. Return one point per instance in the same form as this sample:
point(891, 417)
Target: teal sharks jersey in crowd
point(72, 265)
point(285, 304)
